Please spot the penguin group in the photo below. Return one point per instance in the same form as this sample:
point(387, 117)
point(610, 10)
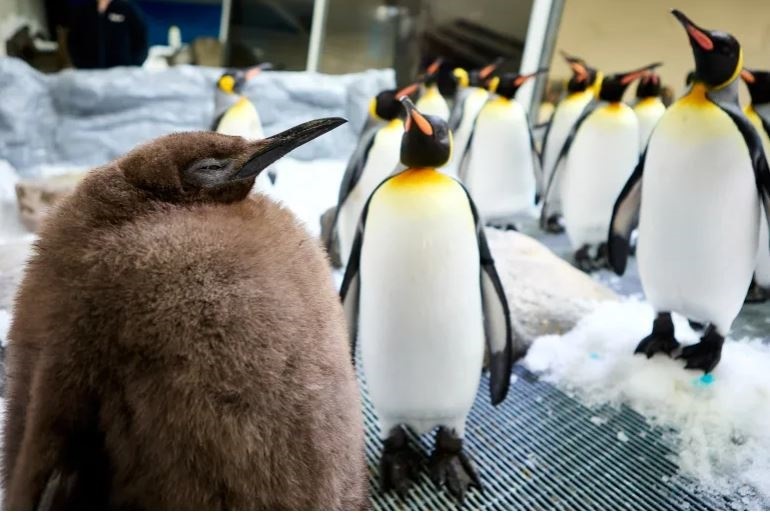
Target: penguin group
point(190, 351)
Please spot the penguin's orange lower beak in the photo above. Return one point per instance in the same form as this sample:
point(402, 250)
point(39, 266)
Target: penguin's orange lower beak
point(696, 34)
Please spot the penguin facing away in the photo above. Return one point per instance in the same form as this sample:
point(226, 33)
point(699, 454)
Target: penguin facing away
point(581, 90)
point(178, 344)
point(471, 96)
point(758, 112)
point(696, 194)
point(648, 107)
point(375, 158)
point(421, 295)
point(600, 153)
point(235, 114)
point(501, 165)
point(431, 102)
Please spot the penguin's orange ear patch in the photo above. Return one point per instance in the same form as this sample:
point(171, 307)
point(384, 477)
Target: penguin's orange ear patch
point(701, 38)
point(748, 76)
point(421, 122)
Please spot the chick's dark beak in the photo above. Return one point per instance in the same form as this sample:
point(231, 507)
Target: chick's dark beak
point(697, 35)
point(273, 148)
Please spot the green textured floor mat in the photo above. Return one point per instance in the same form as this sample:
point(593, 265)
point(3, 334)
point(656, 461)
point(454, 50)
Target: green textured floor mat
point(541, 449)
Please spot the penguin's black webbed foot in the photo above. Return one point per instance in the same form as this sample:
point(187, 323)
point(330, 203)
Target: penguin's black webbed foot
point(554, 224)
point(583, 259)
point(704, 355)
point(756, 294)
point(661, 340)
point(450, 466)
point(602, 257)
point(398, 464)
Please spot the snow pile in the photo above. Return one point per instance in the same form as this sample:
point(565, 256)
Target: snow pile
point(308, 188)
point(722, 419)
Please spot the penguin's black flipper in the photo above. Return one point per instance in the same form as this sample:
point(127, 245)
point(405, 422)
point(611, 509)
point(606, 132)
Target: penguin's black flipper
point(215, 124)
point(353, 173)
point(563, 154)
point(545, 138)
point(537, 163)
point(756, 151)
point(625, 217)
point(497, 317)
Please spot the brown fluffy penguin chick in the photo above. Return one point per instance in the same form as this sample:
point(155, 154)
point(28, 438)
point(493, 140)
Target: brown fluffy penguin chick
point(179, 344)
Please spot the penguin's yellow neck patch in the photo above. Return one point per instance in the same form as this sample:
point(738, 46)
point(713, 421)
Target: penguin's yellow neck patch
point(614, 107)
point(500, 101)
point(419, 177)
point(696, 97)
point(394, 124)
point(432, 91)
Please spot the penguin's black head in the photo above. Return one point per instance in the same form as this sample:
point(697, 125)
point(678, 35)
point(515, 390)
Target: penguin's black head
point(615, 85)
point(649, 86)
point(758, 83)
point(718, 55)
point(583, 76)
point(209, 167)
point(509, 83)
point(385, 105)
point(233, 81)
point(427, 141)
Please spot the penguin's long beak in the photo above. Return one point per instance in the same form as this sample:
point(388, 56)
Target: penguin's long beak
point(408, 90)
point(748, 76)
point(627, 78)
point(434, 66)
point(697, 35)
point(577, 65)
point(414, 116)
point(518, 81)
point(490, 68)
point(273, 148)
point(256, 70)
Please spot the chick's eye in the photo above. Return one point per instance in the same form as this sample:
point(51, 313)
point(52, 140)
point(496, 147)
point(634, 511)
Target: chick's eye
point(211, 166)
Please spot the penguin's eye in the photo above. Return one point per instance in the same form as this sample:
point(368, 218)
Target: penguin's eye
point(208, 172)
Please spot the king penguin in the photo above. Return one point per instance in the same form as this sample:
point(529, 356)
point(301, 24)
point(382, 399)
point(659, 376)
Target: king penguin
point(471, 96)
point(431, 102)
point(177, 343)
point(582, 88)
point(501, 165)
point(600, 153)
point(696, 194)
point(422, 296)
point(648, 107)
point(375, 158)
point(758, 112)
point(236, 115)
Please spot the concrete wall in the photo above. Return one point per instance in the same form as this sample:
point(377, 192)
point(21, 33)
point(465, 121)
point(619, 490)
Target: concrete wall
point(619, 35)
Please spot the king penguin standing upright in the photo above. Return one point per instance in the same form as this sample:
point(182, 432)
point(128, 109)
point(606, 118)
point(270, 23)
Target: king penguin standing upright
point(600, 153)
point(501, 165)
point(375, 158)
point(758, 112)
point(422, 296)
point(581, 90)
point(236, 115)
point(648, 107)
point(471, 96)
point(696, 193)
point(431, 102)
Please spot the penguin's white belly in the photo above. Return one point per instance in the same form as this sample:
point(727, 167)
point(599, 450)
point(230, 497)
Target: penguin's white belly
point(762, 272)
point(420, 319)
point(242, 120)
point(565, 116)
point(433, 104)
point(699, 219)
point(602, 157)
point(381, 162)
point(648, 112)
point(500, 174)
point(473, 104)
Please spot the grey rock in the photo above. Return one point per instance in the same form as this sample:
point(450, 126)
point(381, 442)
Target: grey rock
point(546, 294)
